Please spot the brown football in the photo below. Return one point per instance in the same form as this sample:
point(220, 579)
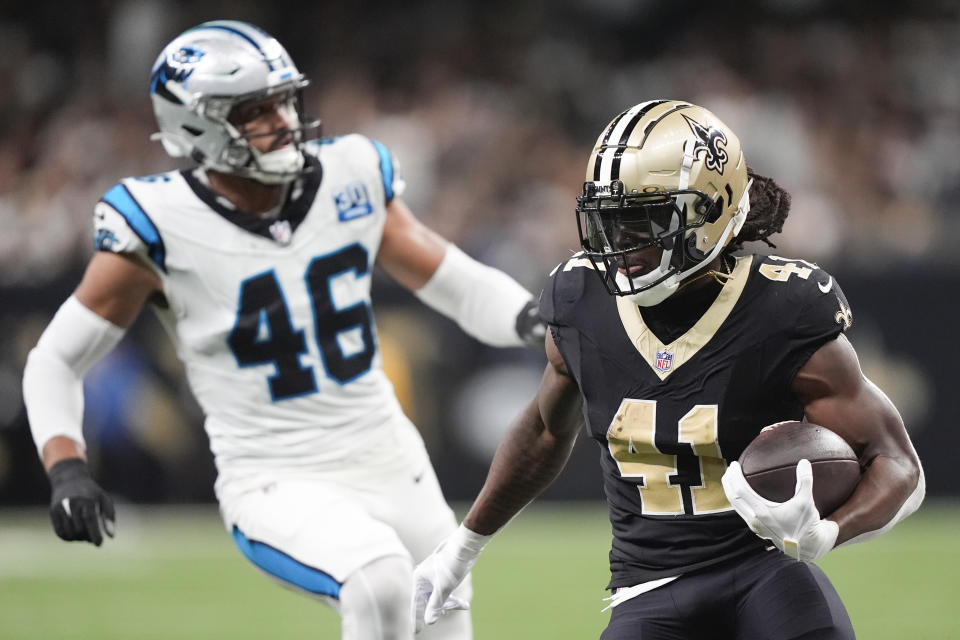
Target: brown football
point(769, 464)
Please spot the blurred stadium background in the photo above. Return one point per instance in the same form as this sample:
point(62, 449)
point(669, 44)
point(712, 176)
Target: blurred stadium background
point(492, 108)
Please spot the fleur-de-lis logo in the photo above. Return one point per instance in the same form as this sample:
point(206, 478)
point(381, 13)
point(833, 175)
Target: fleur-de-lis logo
point(844, 316)
point(708, 140)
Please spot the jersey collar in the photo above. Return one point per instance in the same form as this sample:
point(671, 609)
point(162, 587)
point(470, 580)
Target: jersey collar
point(664, 359)
point(299, 199)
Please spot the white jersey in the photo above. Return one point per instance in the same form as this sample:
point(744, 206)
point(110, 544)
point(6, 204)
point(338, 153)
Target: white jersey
point(272, 318)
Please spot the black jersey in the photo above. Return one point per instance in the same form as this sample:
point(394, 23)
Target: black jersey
point(669, 417)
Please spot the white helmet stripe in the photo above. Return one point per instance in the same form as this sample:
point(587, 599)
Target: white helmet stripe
point(607, 167)
point(627, 132)
point(603, 143)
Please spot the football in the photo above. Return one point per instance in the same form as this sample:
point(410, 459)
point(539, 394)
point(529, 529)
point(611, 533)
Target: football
point(769, 464)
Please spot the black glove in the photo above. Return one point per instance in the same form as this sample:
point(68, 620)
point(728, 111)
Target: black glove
point(530, 326)
point(79, 508)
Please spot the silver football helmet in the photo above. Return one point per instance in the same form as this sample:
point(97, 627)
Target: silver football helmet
point(202, 75)
point(666, 191)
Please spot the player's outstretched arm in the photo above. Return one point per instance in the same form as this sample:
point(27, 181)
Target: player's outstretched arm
point(89, 324)
point(837, 395)
point(531, 455)
point(486, 303)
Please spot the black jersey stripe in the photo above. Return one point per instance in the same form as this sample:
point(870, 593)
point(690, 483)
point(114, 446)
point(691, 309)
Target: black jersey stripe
point(646, 132)
point(622, 146)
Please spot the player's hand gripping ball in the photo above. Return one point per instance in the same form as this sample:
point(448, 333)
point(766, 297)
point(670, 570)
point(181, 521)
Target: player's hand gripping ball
point(769, 464)
point(786, 480)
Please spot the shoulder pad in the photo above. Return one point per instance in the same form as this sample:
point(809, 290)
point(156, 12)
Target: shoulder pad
point(811, 295)
point(368, 154)
point(315, 147)
point(121, 225)
point(565, 285)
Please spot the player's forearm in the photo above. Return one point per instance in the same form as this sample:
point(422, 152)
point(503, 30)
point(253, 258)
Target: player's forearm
point(836, 395)
point(59, 448)
point(890, 489)
point(526, 462)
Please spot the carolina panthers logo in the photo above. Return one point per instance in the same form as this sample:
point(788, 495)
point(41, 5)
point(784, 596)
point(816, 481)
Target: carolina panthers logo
point(177, 66)
point(709, 141)
point(105, 240)
point(186, 55)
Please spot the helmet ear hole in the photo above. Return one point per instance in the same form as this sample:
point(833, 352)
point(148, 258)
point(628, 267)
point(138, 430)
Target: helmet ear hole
point(713, 213)
point(238, 156)
point(691, 250)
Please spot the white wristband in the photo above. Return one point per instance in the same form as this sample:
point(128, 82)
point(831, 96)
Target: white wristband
point(74, 340)
point(465, 545)
point(911, 504)
point(484, 301)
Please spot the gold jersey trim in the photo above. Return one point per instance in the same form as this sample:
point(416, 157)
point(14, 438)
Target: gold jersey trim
point(686, 346)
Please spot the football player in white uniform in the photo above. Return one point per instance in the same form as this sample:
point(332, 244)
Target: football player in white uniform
point(258, 264)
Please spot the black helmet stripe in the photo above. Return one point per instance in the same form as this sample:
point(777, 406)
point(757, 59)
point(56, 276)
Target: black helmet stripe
point(654, 123)
point(603, 144)
point(615, 166)
point(614, 152)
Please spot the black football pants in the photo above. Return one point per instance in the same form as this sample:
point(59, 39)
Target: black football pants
point(764, 596)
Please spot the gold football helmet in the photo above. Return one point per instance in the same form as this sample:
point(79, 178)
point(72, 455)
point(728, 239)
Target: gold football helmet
point(666, 190)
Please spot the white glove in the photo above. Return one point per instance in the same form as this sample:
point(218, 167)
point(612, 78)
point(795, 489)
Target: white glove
point(793, 526)
point(440, 573)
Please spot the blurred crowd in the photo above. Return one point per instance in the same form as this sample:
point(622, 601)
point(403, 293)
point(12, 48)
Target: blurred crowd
point(493, 114)
point(492, 109)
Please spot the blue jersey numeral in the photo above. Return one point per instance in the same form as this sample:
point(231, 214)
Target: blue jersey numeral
point(264, 333)
point(331, 324)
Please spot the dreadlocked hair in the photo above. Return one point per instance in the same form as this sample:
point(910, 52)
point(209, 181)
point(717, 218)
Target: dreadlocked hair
point(769, 207)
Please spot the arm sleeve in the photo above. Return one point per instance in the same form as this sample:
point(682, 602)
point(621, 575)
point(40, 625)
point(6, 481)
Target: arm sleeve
point(484, 301)
point(73, 342)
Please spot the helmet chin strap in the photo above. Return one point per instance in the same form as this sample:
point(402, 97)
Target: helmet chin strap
point(654, 295)
point(730, 231)
point(278, 166)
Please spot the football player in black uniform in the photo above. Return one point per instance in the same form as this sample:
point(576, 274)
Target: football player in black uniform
point(677, 353)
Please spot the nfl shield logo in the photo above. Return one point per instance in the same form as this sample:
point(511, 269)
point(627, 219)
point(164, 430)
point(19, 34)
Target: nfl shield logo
point(664, 361)
point(281, 231)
